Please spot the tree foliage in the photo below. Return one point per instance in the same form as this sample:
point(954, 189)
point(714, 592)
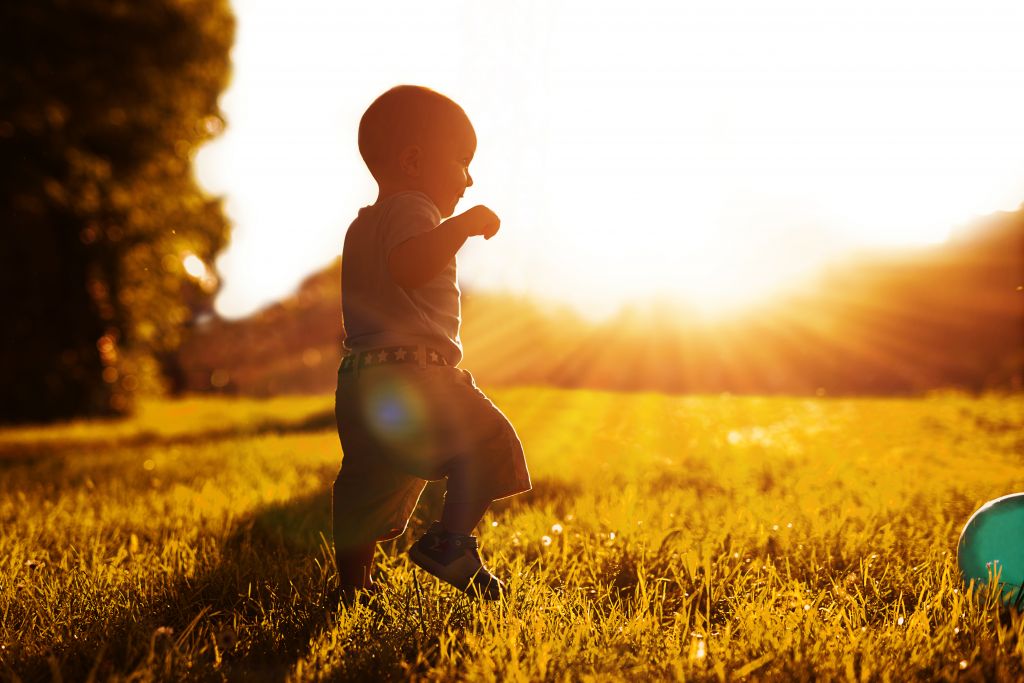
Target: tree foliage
point(103, 104)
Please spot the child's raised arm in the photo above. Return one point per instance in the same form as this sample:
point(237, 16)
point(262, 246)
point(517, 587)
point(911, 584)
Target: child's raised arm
point(417, 260)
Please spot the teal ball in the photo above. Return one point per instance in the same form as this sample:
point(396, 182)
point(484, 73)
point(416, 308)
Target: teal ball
point(992, 543)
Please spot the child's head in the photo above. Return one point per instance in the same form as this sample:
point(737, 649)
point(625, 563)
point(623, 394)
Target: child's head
point(414, 138)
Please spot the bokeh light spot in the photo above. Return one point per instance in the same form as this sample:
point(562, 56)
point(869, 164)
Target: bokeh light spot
point(194, 266)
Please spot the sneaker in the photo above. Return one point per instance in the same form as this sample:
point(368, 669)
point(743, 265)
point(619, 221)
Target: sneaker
point(454, 559)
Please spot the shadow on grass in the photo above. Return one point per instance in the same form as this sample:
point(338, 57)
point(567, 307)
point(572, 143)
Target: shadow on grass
point(274, 581)
point(22, 454)
point(551, 494)
point(700, 481)
point(269, 558)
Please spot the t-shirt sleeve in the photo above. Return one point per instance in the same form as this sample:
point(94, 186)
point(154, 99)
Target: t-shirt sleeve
point(409, 215)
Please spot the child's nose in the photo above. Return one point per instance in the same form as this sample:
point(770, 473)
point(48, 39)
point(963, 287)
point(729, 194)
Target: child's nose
point(469, 180)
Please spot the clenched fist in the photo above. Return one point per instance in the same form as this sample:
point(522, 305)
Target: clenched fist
point(479, 220)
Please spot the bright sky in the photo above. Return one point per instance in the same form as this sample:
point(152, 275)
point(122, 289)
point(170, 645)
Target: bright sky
point(714, 150)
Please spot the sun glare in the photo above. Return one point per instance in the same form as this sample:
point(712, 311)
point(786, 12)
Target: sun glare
point(194, 266)
point(714, 152)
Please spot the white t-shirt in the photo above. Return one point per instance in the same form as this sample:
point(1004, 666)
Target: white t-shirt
point(377, 312)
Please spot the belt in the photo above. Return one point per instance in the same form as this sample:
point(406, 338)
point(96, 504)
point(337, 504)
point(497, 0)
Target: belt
point(424, 355)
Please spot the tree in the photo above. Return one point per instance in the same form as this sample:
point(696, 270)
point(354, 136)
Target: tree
point(103, 104)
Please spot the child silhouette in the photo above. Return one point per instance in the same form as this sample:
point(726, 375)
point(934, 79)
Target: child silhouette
point(406, 414)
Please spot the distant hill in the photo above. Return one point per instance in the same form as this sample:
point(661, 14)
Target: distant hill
point(289, 347)
point(879, 322)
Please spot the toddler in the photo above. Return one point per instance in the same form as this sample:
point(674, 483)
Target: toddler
point(406, 413)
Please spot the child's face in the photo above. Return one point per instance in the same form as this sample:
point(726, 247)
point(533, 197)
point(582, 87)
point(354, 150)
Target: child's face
point(444, 171)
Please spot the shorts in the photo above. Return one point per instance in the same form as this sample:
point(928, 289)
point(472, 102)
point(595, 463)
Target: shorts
point(403, 425)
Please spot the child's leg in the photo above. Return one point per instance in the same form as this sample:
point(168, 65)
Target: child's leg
point(462, 515)
point(355, 565)
point(465, 500)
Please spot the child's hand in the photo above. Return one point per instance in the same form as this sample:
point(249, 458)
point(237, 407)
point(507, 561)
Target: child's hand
point(480, 221)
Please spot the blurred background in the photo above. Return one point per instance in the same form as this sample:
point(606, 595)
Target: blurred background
point(716, 197)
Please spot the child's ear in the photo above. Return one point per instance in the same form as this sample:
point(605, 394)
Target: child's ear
point(409, 161)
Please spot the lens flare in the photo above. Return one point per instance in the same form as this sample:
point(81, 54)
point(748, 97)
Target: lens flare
point(396, 413)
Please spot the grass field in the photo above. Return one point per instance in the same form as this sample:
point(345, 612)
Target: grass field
point(705, 538)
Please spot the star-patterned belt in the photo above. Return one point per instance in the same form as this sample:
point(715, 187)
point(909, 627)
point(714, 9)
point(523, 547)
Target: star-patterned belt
point(391, 354)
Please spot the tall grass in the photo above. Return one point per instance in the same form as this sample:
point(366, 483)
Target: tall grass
point(705, 538)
